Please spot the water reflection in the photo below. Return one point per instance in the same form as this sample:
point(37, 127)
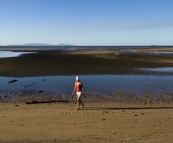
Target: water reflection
point(164, 69)
point(160, 53)
point(128, 51)
point(100, 84)
point(7, 54)
point(149, 53)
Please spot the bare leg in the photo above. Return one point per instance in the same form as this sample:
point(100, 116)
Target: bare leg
point(79, 103)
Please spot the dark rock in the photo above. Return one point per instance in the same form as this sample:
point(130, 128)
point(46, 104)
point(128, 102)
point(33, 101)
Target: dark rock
point(13, 81)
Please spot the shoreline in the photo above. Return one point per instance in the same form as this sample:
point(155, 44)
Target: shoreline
point(144, 99)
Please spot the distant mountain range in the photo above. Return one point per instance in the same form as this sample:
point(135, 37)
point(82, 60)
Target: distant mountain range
point(41, 44)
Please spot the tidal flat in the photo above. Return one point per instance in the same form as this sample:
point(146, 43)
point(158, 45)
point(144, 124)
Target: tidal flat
point(86, 62)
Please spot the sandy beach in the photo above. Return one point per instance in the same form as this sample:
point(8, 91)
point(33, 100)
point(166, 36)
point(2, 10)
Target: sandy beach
point(115, 118)
point(96, 122)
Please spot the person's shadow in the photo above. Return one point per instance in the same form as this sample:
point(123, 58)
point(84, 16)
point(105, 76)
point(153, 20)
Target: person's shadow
point(124, 108)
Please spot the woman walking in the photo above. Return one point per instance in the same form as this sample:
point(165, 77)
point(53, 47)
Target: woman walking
point(78, 88)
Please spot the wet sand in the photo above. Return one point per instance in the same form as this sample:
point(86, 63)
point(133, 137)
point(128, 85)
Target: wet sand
point(117, 117)
point(82, 62)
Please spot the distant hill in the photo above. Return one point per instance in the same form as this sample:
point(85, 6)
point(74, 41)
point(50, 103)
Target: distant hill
point(37, 44)
point(41, 44)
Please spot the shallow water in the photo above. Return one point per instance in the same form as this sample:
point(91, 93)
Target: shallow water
point(7, 54)
point(159, 53)
point(129, 51)
point(149, 53)
point(164, 69)
point(99, 84)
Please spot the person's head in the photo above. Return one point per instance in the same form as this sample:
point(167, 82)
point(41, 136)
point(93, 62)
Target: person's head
point(77, 78)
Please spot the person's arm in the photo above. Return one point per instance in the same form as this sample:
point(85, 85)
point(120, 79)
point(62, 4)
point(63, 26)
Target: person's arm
point(74, 90)
point(83, 90)
point(82, 87)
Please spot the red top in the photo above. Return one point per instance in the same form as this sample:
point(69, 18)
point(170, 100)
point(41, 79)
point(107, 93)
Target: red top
point(78, 86)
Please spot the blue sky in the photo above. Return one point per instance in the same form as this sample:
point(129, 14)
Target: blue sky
point(86, 22)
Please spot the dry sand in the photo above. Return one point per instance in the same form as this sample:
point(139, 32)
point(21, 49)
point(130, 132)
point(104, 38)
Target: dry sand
point(95, 123)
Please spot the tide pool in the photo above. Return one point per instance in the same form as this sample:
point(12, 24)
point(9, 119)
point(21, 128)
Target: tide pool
point(99, 84)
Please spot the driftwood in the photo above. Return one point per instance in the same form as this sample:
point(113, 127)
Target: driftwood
point(37, 102)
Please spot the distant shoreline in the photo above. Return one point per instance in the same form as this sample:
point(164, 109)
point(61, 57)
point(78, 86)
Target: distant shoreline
point(68, 45)
point(73, 48)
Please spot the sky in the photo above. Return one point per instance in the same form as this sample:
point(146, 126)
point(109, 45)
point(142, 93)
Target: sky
point(86, 22)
